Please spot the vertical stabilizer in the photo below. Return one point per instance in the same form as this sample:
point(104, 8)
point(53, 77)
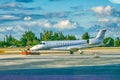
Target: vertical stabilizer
point(98, 39)
point(101, 34)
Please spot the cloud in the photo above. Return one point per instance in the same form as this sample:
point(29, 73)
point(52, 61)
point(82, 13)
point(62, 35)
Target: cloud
point(45, 23)
point(19, 17)
point(63, 14)
point(106, 10)
point(40, 23)
point(115, 1)
point(103, 20)
point(16, 30)
point(3, 29)
point(8, 17)
point(66, 24)
point(113, 30)
point(63, 24)
point(17, 6)
point(25, 1)
point(27, 18)
point(9, 28)
point(19, 28)
point(11, 5)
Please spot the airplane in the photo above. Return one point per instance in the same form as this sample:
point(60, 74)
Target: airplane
point(71, 45)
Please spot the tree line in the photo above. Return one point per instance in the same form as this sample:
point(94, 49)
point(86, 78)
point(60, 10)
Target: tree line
point(29, 38)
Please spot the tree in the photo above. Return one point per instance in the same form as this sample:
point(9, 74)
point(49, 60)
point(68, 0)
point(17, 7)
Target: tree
point(68, 37)
point(49, 35)
point(117, 42)
point(85, 36)
point(23, 41)
point(62, 37)
point(46, 35)
point(56, 36)
point(1, 43)
point(9, 40)
point(111, 43)
point(28, 38)
point(35, 42)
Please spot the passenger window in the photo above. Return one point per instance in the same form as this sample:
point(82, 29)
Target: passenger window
point(44, 43)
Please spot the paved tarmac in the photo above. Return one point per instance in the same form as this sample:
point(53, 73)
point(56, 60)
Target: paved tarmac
point(60, 67)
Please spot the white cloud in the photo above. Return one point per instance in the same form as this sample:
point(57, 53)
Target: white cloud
point(31, 23)
point(98, 9)
point(103, 10)
point(63, 24)
point(10, 5)
point(16, 30)
point(3, 29)
point(115, 1)
point(27, 18)
point(45, 23)
point(11, 17)
point(66, 24)
point(19, 28)
point(9, 28)
point(103, 20)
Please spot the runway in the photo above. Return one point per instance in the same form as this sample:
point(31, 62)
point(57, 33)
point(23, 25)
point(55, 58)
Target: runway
point(60, 66)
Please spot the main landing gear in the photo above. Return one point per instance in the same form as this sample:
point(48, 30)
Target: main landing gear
point(80, 52)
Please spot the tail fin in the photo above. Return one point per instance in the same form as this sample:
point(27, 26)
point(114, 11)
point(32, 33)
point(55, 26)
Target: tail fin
point(101, 34)
point(98, 39)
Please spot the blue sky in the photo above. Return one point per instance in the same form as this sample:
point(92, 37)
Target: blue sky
point(72, 17)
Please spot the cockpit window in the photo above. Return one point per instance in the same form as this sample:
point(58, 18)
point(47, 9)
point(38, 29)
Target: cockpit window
point(42, 43)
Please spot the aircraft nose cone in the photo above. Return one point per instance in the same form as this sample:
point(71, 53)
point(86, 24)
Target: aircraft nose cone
point(38, 47)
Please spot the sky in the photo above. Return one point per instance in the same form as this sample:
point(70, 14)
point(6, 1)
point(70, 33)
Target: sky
point(72, 17)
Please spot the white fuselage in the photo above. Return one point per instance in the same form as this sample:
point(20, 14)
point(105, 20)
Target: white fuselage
point(70, 44)
point(60, 45)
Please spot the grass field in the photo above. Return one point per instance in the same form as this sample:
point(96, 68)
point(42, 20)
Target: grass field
point(4, 50)
point(11, 49)
point(14, 50)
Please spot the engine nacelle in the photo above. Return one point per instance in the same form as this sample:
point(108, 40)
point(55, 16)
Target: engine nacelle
point(94, 41)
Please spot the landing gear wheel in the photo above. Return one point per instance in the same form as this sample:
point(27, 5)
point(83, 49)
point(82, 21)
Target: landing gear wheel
point(71, 52)
point(80, 51)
